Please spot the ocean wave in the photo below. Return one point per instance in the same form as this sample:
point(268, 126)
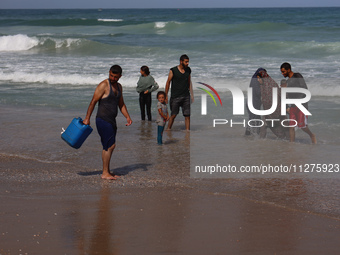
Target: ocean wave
point(160, 24)
point(34, 79)
point(317, 87)
point(66, 22)
point(23, 42)
point(17, 42)
point(110, 20)
point(175, 28)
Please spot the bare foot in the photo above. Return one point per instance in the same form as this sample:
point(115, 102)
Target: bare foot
point(109, 177)
point(313, 137)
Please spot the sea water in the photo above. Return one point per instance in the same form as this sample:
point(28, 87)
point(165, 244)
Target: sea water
point(52, 60)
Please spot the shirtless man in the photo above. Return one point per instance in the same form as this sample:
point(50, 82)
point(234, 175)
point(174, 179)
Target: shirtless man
point(181, 91)
point(296, 80)
point(109, 94)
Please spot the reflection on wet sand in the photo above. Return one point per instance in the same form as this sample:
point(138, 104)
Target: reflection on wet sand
point(120, 225)
point(183, 220)
point(101, 241)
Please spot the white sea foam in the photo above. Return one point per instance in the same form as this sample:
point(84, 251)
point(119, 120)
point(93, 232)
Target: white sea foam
point(160, 24)
point(48, 78)
point(18, 42)
point(110, 20)
point(59, 43)
point(130, 81)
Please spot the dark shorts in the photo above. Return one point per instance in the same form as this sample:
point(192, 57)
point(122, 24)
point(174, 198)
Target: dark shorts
point(107, 133)
point(176, 103)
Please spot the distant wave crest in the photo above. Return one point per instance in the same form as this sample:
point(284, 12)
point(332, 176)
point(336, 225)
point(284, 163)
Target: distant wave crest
point(110, 20)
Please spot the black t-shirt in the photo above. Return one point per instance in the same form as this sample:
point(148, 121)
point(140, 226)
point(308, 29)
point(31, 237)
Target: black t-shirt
point(180, 82)
point(297, 81)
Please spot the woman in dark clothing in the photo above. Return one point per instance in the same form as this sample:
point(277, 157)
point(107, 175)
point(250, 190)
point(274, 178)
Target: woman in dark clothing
point(266, 85)
point(256, 96)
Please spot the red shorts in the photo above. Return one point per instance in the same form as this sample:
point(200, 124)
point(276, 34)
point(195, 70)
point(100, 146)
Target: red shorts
point(296, 114)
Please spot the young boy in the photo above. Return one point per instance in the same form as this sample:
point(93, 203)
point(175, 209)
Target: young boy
point(162, 115)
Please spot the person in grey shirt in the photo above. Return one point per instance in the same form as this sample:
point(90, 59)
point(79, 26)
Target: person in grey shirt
point(145, 85)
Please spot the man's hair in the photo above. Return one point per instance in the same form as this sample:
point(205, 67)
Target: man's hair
point(145, 69)
point(116, 69)
point(161, 93)
point(183, 57)
point(286, 66)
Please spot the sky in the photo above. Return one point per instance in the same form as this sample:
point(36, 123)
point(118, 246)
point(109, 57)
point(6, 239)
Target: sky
point(69, 4)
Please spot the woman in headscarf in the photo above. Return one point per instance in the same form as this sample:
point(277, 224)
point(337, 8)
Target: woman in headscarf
point(256, 96)
point(267, 84)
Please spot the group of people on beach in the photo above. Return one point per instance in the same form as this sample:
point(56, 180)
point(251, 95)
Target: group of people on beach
point(182, 95)
point(109, 96)
point(262, 95)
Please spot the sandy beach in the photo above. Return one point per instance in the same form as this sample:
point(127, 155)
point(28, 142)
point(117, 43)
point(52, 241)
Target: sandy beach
point(74, 213)
point(56, 203)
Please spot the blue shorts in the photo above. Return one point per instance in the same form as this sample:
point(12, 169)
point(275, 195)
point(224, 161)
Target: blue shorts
point(107, 133)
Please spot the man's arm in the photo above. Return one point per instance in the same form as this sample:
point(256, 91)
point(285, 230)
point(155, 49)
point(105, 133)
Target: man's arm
point(191, 90)
point(167, 85)
point(98, 94)
point(123, 109)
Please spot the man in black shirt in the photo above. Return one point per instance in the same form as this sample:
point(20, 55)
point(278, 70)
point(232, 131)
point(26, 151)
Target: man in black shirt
point(295, 80)
point(181, 91)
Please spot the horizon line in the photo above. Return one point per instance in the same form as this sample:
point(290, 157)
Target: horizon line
point(174, 8)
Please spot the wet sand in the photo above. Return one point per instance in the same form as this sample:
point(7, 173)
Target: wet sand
point(53, 200)
point(65, 210)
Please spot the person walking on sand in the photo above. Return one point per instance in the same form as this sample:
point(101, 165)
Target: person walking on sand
point(181, 91)
point(145, 85)
point(296, 80)
point(109, 94)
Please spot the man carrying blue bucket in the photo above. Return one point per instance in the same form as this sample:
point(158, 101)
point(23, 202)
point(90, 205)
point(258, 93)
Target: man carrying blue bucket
point(109, 95)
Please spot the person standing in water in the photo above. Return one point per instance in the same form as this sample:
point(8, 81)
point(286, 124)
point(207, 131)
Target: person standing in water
point(145, 85)
point(109, 94)
point(162, 116)
point(296, 80)
point(267, 85)
point(181, 91)
point(257, 103)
